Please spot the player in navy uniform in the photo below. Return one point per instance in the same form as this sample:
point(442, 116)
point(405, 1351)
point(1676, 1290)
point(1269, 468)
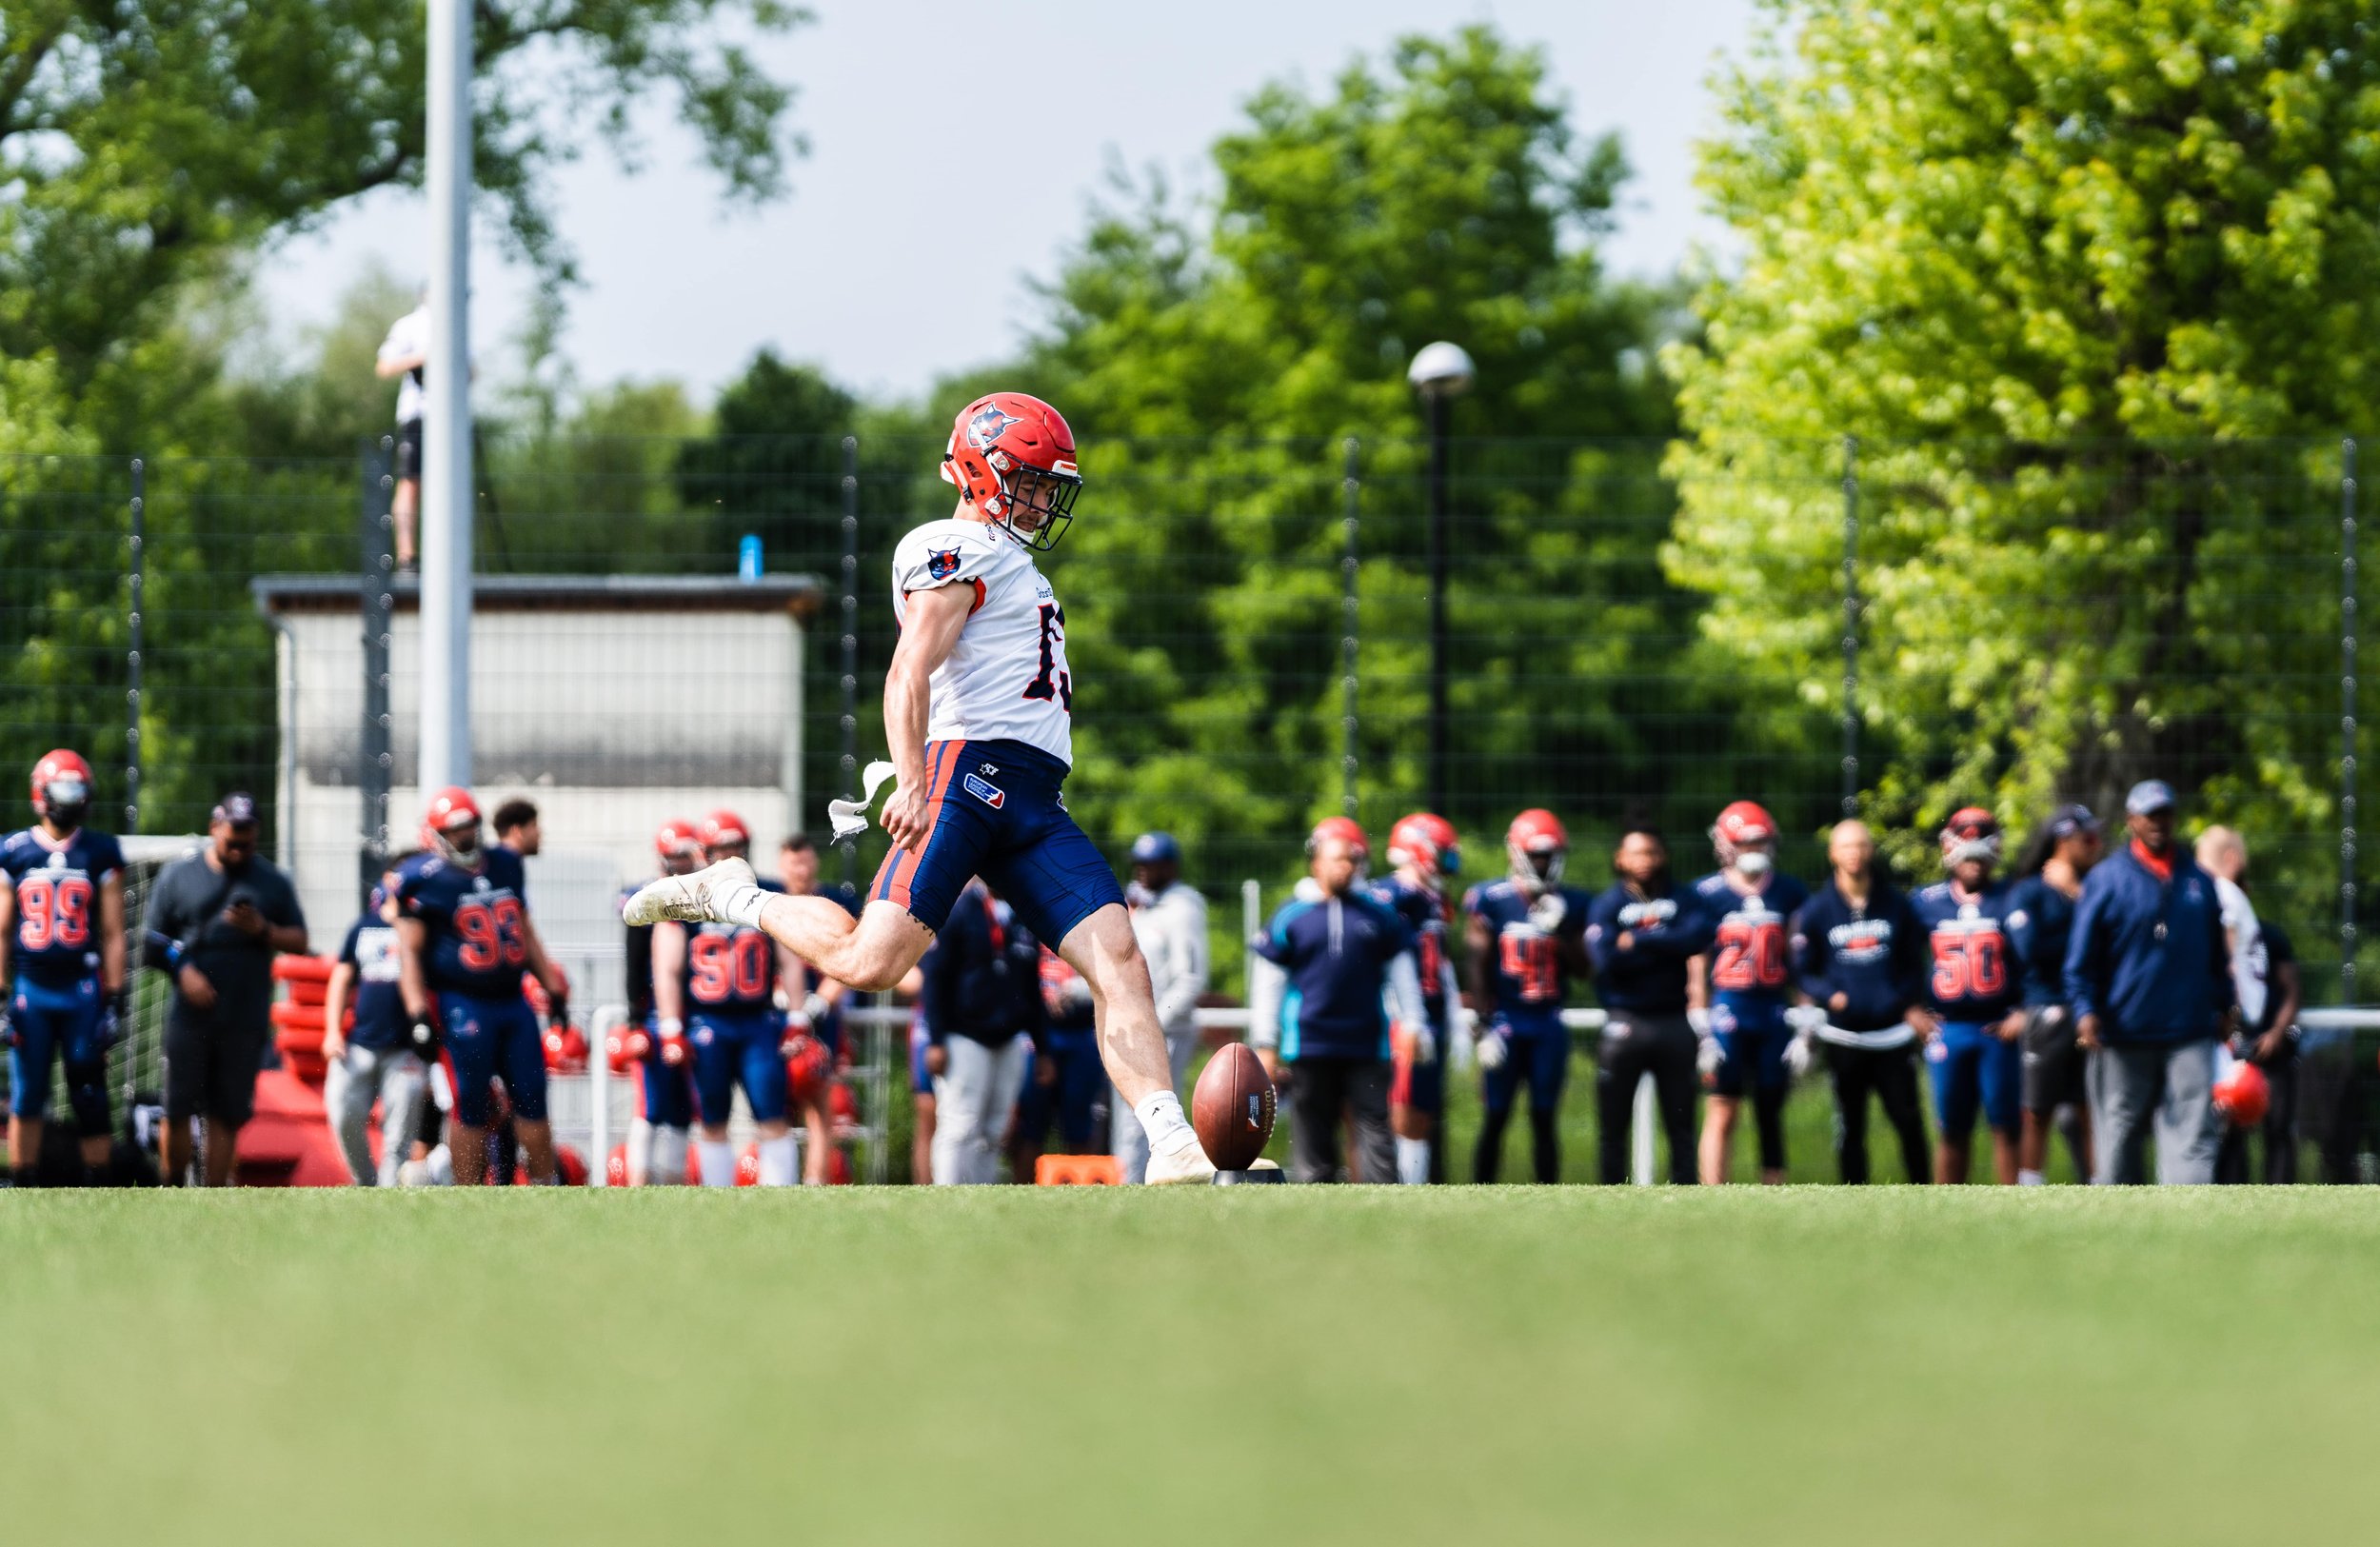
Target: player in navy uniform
point(463, 932)
point(1973, 996)
point(663, 1126)
point(979, 704)
point(715, 1006)
point(813, 1015)
point(62, 962)
point(1744, 986)
point(1525, 936)
point(1860, 955)
point(2040, 923)
point(1641, 935)
point(1423, 850)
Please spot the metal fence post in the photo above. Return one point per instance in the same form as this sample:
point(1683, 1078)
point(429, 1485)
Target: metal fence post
point(1353, 485)
point(376, 764)
point(850, 647)
point(1851, 625)
point(2346, 722)
point(139, 565)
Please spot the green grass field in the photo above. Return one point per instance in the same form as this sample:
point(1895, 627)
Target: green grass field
point(1268, 1366)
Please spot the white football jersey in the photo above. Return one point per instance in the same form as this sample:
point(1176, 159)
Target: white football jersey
point(1007, 680)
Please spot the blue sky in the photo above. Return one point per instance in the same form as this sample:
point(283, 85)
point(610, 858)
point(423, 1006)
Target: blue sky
point(863, 268)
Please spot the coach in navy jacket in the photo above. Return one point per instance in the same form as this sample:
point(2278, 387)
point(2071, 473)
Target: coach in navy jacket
point(2149, 976)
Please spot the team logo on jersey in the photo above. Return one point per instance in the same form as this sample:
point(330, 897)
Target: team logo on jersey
point(990, 794)
point(942, 566)
point(986, 427)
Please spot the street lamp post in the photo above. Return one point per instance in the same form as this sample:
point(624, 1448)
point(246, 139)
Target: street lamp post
point(1441, 373)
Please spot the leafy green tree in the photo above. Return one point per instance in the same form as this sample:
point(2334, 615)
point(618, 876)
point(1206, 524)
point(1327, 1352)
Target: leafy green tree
point(2076, 274)
point(1438, 193)
point(141, 144)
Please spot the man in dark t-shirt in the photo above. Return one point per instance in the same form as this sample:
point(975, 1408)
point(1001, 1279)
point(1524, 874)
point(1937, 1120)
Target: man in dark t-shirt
point(2272, 1047)
point(216, 919)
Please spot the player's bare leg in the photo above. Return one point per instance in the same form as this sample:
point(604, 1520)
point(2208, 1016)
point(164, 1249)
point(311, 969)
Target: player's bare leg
point(467, 1147)
point(537, 1148)
point(1718, 1134)
point(871, 953)
point(1132, 1045)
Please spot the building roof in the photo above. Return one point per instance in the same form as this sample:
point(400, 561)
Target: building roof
point(797, 594)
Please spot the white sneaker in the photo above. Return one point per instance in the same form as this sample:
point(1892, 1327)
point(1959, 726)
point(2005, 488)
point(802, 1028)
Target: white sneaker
point(1186, 1163)
point(691, 898)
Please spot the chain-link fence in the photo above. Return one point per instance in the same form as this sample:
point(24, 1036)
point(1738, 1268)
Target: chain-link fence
point(1262, 633)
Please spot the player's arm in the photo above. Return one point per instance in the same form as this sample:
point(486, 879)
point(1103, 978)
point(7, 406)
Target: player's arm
point(670, 952)
point(335, 1007)
point(548, 976)
point(1479, 953)
point(1569, 939)
point(8, 930)
point(2288, 998)
point(112, 980)
point(412, 977)
point(928, 634)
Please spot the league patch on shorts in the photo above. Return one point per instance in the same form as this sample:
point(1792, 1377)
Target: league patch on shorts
point(990, 794)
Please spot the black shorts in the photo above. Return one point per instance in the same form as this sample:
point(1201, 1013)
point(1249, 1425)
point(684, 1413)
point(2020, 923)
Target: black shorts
point(211, 1067)
point(2053, 1059)
point(408, 468)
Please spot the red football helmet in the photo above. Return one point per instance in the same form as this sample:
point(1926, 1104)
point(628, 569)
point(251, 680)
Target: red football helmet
point(1972, 833)
point(808, 1066)
point(677, 842)
point(450, 826)
point(570, 1166)
point(748, 1166)
point(616, 1166)
point(62, 786)
point(1744, 827)
point(2243, 1095)
point(1014, 454)
point(1537, 846)
point(724, 829)
point(1346, 829)
point(1426, 842)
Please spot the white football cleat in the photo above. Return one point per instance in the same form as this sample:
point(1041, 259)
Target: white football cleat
point(1185, 1162)
point(690, 899)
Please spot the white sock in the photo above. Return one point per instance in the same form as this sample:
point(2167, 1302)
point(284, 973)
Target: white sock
point(1413, 1161)
point(2030, 1178)
point(742, 904)
point(669, 1163)
point(640, 1152)
point(1162, 1119)
point(777, 1161)
point(719, 1163)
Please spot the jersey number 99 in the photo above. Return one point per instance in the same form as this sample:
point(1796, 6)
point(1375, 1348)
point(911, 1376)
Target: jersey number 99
point(52, 912)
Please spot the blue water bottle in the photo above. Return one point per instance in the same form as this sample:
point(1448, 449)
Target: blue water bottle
point(748, 558)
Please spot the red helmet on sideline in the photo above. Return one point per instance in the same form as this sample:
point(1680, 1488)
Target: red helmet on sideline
point(1537, 845)
point(1344, 830)
point(61, 783)
point(1012, 453)
point(677, 839)
point(1425, 841)
point(1972, 833)
point(2243, 1095)
point(452, 813)
point(724, 827)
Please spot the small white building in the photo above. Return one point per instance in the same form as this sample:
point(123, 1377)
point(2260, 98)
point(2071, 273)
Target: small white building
point(613, 702)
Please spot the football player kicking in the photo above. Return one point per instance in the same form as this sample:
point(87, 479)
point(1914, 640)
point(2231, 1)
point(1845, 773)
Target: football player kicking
point(1422, 846)
point(978, 709)
point(1975, 998)
point(715, 1000)
point(463, 938)
point(663, 1126)
point(62, 938)
point(1526, 934)
point(1743, 987)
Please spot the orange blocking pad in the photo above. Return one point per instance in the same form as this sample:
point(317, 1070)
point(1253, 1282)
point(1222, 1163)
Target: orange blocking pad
point(1078, 1171)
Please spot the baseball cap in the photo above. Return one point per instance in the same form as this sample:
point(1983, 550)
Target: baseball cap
point(2069, 820)
point(2147, 796)
point(1156, 848)
point(237, 808)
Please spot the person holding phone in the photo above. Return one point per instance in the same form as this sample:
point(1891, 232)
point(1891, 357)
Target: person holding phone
point(216, 920)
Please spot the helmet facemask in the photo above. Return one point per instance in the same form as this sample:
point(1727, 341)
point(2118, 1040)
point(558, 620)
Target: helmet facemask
point(65, 800)
point(1036, 492)
point(459, 845)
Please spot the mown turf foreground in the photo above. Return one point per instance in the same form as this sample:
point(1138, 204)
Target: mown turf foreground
point(1465, 1365)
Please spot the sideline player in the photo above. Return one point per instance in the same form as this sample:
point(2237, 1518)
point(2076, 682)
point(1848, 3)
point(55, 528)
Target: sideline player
point(62, 960)
point(1974, 999)
point(2040, 923)
point(1744, 986)
point(1423, 849)
point(813, 1017)
point(663, 1126)
point(463, 934)
point(714, 1006)
point(1525, 935)
point(979, 708)
point(1858, 953)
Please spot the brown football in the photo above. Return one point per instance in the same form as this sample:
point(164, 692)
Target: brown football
point(1232, 1109)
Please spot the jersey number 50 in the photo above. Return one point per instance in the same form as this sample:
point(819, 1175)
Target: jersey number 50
point(52, 912)
point(491, 935)
point(1969, 966)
